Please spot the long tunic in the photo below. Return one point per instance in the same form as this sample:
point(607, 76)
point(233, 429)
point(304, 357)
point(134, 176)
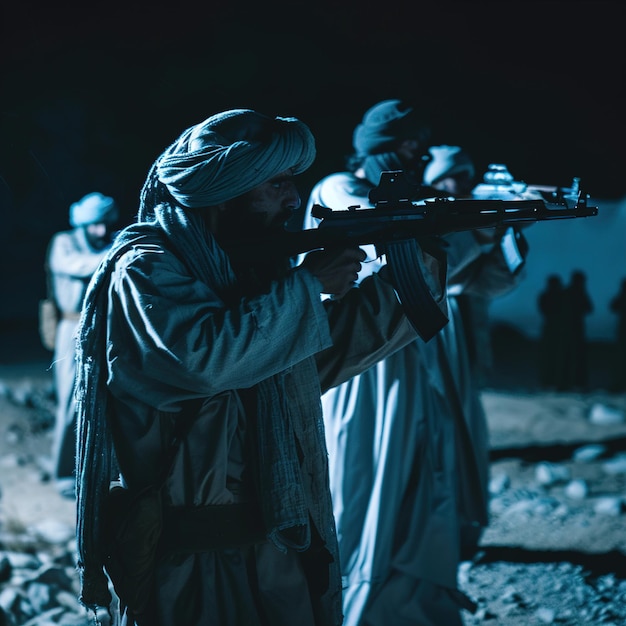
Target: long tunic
point(408, 449)
point(71, 262)
point(172, 337)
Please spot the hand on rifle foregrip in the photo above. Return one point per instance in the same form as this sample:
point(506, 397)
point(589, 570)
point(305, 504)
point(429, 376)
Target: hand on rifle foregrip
point(336, 269)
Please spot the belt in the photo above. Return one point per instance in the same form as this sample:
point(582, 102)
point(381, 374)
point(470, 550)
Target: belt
point(211, 527)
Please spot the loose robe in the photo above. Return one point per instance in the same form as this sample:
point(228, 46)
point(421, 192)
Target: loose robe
point(71, 263)
point(408, 449)
point(171, 337)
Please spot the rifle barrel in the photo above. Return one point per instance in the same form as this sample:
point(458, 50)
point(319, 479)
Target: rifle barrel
point(405, 220)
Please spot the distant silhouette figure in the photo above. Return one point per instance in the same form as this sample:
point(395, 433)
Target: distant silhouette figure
point(552, 340)
point(618, 306)
point(577, 306)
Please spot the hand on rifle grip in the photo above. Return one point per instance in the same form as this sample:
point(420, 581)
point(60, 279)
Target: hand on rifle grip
point(336, 269)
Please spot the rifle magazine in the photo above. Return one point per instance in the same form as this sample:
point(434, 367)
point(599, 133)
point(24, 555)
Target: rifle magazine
point(427, 314)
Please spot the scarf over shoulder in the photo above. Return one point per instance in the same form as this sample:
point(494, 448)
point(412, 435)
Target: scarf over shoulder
point(221, 158)
point(284, 503)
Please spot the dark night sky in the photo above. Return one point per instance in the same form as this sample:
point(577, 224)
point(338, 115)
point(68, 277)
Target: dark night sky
point(90, 99)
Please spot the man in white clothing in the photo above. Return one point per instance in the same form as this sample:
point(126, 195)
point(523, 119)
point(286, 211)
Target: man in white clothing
point(407, 439)
point(73, 256)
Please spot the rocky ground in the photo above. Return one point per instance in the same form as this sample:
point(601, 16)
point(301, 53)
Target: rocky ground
point(555, 552)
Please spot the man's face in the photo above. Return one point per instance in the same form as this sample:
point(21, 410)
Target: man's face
point(413, 154)
point(98, 235)
point(263, 210)
point(409, 149)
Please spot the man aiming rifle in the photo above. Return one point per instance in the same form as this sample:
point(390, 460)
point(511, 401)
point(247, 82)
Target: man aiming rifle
point(399, 227)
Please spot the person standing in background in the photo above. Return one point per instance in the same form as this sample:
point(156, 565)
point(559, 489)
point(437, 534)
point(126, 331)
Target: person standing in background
point(618, 306)
point(550, 303)
point(72, 258)
point(577, 305)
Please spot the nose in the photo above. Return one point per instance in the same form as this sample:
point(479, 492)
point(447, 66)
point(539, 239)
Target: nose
point(293, 199)
point(99, 230)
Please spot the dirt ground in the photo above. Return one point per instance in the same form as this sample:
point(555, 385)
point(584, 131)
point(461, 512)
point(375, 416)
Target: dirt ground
point(555, 552)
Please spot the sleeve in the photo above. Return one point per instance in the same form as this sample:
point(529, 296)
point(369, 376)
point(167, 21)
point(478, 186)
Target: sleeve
point(66, 258)
point(338, 192)
point(462, 250)
point(173, 330)
point(482, 273)
point(367, 325)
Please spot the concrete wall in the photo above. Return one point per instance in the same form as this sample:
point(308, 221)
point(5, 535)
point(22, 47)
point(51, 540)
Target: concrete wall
point(595, 245)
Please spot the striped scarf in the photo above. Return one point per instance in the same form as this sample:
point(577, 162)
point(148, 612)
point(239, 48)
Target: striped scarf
point(280, 486)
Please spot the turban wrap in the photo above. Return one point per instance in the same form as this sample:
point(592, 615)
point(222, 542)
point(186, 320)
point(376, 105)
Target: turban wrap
point(230, 153)
point(382, 128)
point(447, 161)
point(385, 124)
point(94, 208)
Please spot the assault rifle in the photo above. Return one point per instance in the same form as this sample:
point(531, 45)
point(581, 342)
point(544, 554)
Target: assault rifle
point(399, 224)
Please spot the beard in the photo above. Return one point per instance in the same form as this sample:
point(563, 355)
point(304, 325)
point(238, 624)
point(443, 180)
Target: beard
point(241, 226)
point(237, 225)
point(98, 243)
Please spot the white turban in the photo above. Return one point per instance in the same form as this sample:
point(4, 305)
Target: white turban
point(230, 153)
point(94, 208)
point(447, 161)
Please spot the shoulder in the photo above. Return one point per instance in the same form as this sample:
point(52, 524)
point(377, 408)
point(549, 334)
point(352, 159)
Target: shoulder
point(64, 235)
point(145, 258)
point(336, 178)
point(65, 242)
point(346, 181)
point(340, 190)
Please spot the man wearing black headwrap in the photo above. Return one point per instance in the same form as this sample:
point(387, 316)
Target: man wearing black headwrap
point(175, 326)
point(407, 439)
point(391, 136)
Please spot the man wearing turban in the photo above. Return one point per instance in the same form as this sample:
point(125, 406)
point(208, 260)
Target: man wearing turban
point(73, 256)
point(407, 439)
point(176, 326)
